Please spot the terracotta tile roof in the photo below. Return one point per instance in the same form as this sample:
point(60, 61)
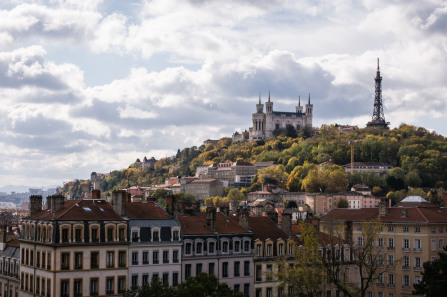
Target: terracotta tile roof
point(264, 228)
point(260, 192)
point(15, 243)
point(145, 210)
point(196, 224)
point(86, 209)
point(324, 237)
point(395, 214)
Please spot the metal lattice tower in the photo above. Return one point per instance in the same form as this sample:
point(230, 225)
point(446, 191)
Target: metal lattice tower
point(378, 106)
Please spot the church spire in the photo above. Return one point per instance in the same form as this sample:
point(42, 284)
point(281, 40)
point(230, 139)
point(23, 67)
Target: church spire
point(299, 100)
point(259, 97)
point(309, 99)
point(269, 95)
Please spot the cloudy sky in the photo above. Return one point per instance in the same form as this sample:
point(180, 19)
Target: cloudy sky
point(92, 85)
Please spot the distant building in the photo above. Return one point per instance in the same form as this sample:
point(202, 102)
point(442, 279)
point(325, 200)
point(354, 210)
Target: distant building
point(264, 123)
point(96, 179)
point(379, 168)
point(201, 188)
point(9, 265)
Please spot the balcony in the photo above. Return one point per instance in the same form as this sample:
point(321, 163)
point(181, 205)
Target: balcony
point(406, 287)
point(417, 268)
point(406, 249)
point(417, 250)
point(390, 248)
point(380, 284)
point(390, 285)
point(405, 267)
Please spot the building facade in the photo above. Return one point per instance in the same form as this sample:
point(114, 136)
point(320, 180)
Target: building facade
point(9, 266)
point(264, 123)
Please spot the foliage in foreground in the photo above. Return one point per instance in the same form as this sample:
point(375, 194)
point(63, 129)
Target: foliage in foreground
point(434, 277)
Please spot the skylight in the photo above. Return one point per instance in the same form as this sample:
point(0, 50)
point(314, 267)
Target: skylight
point(86, 208)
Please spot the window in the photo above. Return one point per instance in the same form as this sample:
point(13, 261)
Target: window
point(166, 278)
point(155, 259)
point(417, 244)
point(441, 230)
point(145, 279)
point(38, 259)
point(199, 248)
point(110, 234)
point(390, 228)
point(187, 270)
point(65, 261)
point(121, 284)
point(135, 236)
point(391, 243)
point(258, 292)
point(64, 237)
point(441, 244)
point(134, 258)
point(269, 292)
point(406, 262)
point(211, 248)
point(121, 234)
point(77, 283)
point(134, 280)
point(198, 268)
point(417, 279)
point(175, 256)
point(225, 269)
point(211, 266)
point(246, 246)
point(269, 250)
point(110, 288)
point(145, 257)
point(406, 229)
point(44, 260)
point(156, 235)
point(225, 247)
point(433, 230)
point(380, 260)
point(406, 244)
point(247, 268)
point(175, 235)
point(417, 262)
point(417, 229)
point(360, 241)
point(122, 259)
point(237, 288)
point(280, 249)
point(237, 268)
point(95, 234)
point(258, 273)
point(237, 246)
point(258, 250)
point(93, 286)
point(110, 259)
point(78, 260)
point(433, 244)
point(390, 260)
point(188, 248)
point(391, 279)
point(175, 279)
point(78, 234)
point(406, 281)
point(65, 289)
point(269, 272)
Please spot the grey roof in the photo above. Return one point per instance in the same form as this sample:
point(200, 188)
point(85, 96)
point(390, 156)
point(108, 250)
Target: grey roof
point(288, 113)
point(11, 252)
point(413, 199)
point(152, 223)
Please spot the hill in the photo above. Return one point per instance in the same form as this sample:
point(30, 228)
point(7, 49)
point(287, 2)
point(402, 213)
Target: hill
point(419, 157)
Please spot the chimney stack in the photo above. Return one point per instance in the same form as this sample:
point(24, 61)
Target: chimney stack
point(225, 209)
point(383, 207)
point(445, 199)
point(35, 204)
point(196, 207)
point(170, 204)
point(243, 218)
point(315, 222)
point(96, 194)
point(211, 218)
point(55, 202)
point(286, 223)
point(273, 215)
point(119, 202)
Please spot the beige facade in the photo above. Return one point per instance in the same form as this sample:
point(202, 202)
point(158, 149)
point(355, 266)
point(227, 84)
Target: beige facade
point(202, 188)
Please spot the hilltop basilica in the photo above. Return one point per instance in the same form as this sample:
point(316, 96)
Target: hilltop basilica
point(264, 123)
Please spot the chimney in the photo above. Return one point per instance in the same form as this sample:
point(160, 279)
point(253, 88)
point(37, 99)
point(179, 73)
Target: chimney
point(348, 232)
point(119, 202)
point(383, 208)
point(196, 207)
point(96, 194)
point(128, 197)
point(55, 202)
point(211, 218)
point(445, 199)
point(404, 213)
point(273, 215)
point(3, 233)
point(243, 218)
point(225, 209)
point(286, 223)
point(170, 204)
point(35, 204)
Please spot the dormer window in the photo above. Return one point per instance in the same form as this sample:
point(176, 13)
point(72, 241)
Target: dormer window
point(199, 248)
point(122, 233)
point(135, 236)
point(110, 236)
point(156, 235)
point(95, 234)
point(246, 246)
point(188, 248)
point(237, 246)
point(78, 234)
point(211, 247)
point(225, 247)
point(64, 236)
point(176, 235)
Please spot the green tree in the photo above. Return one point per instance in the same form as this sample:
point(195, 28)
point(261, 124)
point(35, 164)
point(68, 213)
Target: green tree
point(343, 203)
point(235, 197)
point(434, 277)
point(153, 289)
point(205, 285)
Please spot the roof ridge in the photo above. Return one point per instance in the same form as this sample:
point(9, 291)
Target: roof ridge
point(68, 209)
point(419, 210)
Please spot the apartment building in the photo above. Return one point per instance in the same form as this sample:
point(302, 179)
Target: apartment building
point(9, 265)
point(412, 233)
point(73, 248)
point(216, 243)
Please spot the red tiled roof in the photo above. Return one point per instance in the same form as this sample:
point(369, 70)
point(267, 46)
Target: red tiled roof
point(86, 209)
point(420, 215)
point(264, 228)
point(145, 210)
point(15, 243)
point(196, 224)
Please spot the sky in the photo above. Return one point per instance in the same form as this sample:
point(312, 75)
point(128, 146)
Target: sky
point(93, 85)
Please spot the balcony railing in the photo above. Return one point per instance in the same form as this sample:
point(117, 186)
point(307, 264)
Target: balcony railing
point(417, 250)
